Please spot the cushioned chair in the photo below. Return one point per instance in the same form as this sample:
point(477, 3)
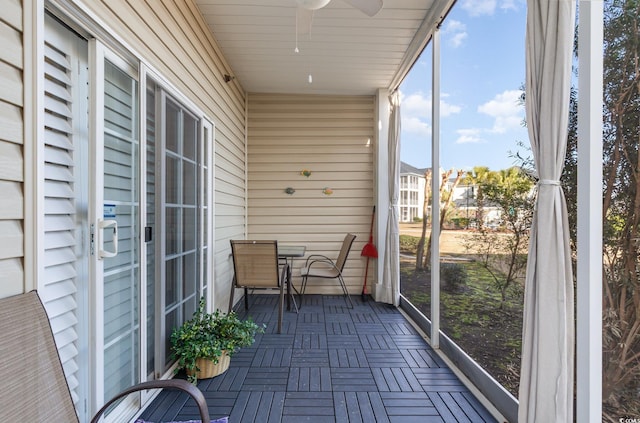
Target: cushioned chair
point(319, 266)
point(256, 266)
point(34, 388)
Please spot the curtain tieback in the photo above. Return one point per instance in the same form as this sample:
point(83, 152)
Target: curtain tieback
point(549, 182)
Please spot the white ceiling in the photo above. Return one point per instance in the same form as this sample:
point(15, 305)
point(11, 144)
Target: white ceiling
point(346, 51)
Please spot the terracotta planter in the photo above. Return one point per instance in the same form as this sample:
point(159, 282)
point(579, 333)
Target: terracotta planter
point(209, 369)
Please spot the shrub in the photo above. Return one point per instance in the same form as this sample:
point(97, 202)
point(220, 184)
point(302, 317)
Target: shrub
point(454, 275)
point(408, 244)
point(460, 222)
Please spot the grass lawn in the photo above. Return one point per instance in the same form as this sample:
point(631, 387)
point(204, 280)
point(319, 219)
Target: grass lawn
point(472, 314)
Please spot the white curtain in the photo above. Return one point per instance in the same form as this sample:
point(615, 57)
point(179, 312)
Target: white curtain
point(390, 292)
point(546, 380)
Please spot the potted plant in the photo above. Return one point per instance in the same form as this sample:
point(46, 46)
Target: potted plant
point(204, 344)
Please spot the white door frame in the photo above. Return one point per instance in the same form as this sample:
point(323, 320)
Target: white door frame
point(98, 55)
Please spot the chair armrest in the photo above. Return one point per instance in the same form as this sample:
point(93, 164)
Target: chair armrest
point(321, 258)
point(179, 384)
point(325, 261)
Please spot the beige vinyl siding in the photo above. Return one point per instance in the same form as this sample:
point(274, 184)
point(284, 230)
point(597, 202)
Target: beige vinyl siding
point(333, 137)
point(173, 38)
point(11, 150)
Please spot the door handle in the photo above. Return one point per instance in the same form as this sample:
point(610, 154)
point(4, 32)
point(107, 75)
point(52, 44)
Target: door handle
point(102, 225)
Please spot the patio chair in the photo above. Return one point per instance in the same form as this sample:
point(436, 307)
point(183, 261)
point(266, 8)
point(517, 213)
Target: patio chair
point(319, 266)
point(256, 266)
point(34, 387)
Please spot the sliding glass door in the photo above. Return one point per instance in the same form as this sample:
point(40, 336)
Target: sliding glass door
point(127, 227)
point(121, 221)
point(178, 195)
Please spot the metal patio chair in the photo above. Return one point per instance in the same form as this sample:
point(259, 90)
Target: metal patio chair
point(256, 266)
point(320, 266)
point(34, 387)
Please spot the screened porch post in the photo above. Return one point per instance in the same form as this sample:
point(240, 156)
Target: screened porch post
point(589, 242)
point(435, 189)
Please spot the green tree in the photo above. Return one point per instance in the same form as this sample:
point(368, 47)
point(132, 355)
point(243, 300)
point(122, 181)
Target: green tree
point(446, 200)
point(505, 257)
point(476, 178)
point(621, 209)
point(425, 209)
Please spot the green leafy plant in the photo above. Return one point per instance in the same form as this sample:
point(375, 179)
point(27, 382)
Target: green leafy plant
point(408, 244)
point(208, 335)
point(454, 275)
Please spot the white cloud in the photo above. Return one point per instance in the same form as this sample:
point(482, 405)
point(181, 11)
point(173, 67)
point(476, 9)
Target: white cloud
point(506, 110)
point(508, 5)
point(416, 104)
point(479, 7)
point(452, 25)
point(458, 39)
point(415, 126)
point(507, 113)
point(447, 109)
point(504, 123)
point(455, 31)
point(488, 7)
point(469, 136)
point(415, 113)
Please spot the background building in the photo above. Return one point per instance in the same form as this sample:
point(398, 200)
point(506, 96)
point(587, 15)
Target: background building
point(412, 184)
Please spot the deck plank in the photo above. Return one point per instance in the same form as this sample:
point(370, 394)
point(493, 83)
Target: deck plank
point(331, 364)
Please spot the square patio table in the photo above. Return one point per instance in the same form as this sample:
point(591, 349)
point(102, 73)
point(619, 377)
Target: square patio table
point(288, 253)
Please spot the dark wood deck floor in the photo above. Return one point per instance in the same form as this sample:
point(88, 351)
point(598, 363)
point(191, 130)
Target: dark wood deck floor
point(331, 364)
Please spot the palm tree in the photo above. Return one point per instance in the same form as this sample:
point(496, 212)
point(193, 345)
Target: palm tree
point(511, 191)
point(476, 178)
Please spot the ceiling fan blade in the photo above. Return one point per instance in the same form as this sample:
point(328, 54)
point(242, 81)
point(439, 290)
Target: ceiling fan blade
point(368, 7)
point(312, 4)
point(304, 19)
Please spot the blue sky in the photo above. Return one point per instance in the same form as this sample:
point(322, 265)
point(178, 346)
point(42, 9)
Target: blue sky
point(482, 71)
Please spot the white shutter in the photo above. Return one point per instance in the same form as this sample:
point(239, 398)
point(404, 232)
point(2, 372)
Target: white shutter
point(65, 204)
